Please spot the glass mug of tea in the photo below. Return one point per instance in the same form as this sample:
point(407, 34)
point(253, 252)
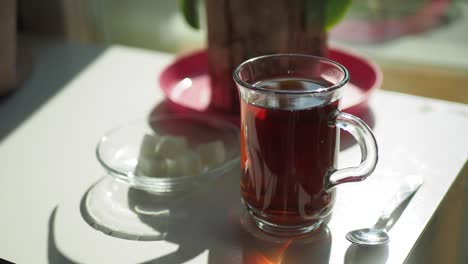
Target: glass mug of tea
point(290, 121)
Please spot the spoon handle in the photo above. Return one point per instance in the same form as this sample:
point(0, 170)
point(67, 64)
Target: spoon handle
point(411, 185)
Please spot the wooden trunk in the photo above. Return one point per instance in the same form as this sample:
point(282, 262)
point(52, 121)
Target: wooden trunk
point(7, 45)
point(242, 29)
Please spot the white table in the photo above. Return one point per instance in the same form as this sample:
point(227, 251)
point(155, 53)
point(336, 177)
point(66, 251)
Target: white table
point(48, 163)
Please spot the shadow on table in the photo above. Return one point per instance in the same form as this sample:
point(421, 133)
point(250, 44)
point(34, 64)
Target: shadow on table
point(54, 64)
point(213, 220)
point(54, 255)
point(366, 255)
point(260, 248)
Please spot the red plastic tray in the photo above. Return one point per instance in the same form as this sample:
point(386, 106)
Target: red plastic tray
point(186, 82)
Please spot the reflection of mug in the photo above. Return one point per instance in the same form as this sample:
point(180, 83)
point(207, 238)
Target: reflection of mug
point(290, 140)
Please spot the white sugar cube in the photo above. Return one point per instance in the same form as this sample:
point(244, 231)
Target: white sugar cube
point(169, 156)
point(147, 145)
point(150, 167)
point(212, 154)
point(190, 163)
point(172, 168)
point(170, 147)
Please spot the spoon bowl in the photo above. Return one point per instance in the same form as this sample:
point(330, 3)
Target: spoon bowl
point(368, 236)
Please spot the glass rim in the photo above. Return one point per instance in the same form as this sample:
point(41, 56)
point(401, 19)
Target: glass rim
point(327, 89)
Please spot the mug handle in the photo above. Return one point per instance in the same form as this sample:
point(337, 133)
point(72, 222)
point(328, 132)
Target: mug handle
point(369, 153)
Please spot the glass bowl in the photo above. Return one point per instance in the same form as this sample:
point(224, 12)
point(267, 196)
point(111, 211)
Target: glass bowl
point(126, 203)
point(118, 150)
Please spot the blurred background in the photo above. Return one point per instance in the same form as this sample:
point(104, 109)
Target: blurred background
point(421, 45)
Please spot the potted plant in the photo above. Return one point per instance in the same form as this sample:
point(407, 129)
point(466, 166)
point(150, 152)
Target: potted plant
point(242, 29)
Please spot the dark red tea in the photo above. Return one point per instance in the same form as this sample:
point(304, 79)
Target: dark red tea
point(286, 154)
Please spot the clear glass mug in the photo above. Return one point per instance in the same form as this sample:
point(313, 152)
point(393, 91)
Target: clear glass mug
point(290, 121)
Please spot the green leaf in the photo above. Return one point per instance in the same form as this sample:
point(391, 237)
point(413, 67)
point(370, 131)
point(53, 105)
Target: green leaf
point(189, 10)
point(335, 10)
